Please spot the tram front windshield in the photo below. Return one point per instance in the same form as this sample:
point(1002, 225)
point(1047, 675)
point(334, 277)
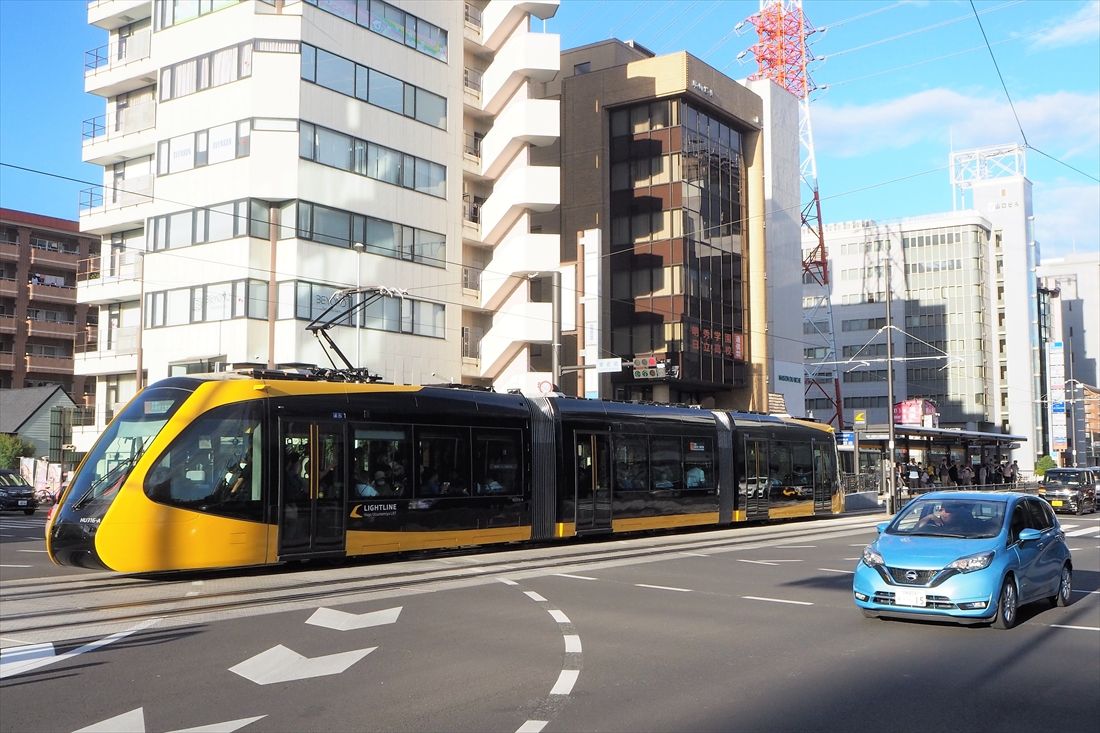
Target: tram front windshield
point(121, 445)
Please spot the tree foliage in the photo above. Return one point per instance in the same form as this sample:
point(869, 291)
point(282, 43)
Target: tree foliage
point(12, 448)
point(1044, 464)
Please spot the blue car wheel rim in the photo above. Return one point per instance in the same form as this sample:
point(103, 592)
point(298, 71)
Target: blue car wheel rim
point(1008, 603)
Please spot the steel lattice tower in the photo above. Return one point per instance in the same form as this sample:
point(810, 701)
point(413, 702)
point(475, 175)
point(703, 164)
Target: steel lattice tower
point(783, 56)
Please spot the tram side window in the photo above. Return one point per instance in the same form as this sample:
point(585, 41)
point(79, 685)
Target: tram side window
point(825, 471)
point(698, 463)
point(802, 467)
point(631, 458)
point(443, 461)
point(381, 460)
point(497, 463)
point(214, 465)
point(779, 464)
point(667, 468)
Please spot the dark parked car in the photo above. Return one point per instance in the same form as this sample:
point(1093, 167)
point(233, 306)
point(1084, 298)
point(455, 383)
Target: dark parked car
point(15, 493)
point(1069, 489)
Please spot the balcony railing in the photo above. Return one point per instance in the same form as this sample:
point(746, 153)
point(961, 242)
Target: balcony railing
point(120, 122)
point(471, 144)
point(127, 193)
point(471, 79)
point(473, 17)
point(119, 52)
point(471, 278)
point(120, 266)
point(471, 208)
point(86, 341)
point(471, 342)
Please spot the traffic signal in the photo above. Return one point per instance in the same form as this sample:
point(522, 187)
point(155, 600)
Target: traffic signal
point(649, 367)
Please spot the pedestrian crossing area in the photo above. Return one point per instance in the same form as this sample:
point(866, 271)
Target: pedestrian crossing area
point(1076, 530)
point(22, 527)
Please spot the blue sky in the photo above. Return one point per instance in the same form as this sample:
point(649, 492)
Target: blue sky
point(902, 84)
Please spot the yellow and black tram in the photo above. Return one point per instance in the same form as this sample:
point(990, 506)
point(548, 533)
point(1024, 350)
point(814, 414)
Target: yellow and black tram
point(264, 467)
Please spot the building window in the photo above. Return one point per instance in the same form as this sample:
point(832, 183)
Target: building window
point(365, 158)
point(204, 72)
point(206, 303)
point(393, 23)
point(204, 147)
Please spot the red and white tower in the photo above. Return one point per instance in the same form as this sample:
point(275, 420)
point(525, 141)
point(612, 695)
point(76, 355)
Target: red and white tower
point(783, 56)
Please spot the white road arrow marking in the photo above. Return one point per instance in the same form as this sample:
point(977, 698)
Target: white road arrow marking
point(131, 722)
point(227, 727)
point(26, 665)
point(330, 618)
point(19, 657)
point(279, 664)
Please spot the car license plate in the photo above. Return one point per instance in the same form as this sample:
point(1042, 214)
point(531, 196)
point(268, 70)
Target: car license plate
point(22, 502)
point(1056, 502)
point(909, 598)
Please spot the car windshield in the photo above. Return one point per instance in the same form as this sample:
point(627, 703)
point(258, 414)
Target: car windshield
point(950, 517)
point(1064, 478)
point(13, 479)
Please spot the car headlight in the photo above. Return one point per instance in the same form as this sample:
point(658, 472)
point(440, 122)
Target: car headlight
point(970, 563)
point(871, 558)
point(3, 492)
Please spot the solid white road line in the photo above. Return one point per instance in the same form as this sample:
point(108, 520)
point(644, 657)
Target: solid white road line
point(777, 600)
point(695, 554)
point(1087, 592)
point(32, 551)
point(831, 570)
point(794, 547)
point(663, 587)
point(1076, 628)
point(574, 577)
point(15, 566)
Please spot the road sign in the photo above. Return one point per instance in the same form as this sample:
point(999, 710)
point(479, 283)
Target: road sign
point(609, 366)
point(860, 417)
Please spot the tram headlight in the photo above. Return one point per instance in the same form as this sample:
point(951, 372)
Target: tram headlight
point(871, 558)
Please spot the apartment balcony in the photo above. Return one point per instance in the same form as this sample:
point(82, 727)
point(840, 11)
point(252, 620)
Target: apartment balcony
point(9, 251)
point(49, 364)
point(522, 122)
point(472, 25)
point(501, 17)
point(50, 258)
point(520, 187)
point(518, 323)
point(524, 57)
point(111, 14)
point(471, 89)
point(8, 287)
point(122, 65)
point(51, 329)
point(120, 135)
point(119, 283)
point(44, 293)
point(7, 361)
point(106, 209)
point(118, 355)
point(7, 323)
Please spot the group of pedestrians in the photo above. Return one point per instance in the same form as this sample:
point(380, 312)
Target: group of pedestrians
point(916, 475)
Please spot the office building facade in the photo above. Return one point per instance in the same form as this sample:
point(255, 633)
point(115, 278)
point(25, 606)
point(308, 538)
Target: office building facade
point(262, 156)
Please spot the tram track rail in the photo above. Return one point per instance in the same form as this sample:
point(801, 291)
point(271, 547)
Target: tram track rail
point(68, 607)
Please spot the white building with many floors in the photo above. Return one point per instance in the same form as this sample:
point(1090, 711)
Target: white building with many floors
point(261, 155)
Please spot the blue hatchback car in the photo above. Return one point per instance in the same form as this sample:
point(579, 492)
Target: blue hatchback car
point(967, 557)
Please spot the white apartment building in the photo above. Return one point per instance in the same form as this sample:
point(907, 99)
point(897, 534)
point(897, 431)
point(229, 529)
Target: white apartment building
point(964, 307)
point(261, 155)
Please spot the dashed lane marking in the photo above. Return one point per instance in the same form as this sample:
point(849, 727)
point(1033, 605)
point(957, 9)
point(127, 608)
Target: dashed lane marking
point(532, 726)
point(794, 547)
point(695, 554)
point(506, 581)
point(16, 566)
point(768, 562)
point(831, 570)
point(572, 644)
point(1075, 628)
point(534, 596)
point(31, 550)
point(777, 600)
point(1087, 592)
point(663, 587)
point(558, 616)
point(575, 577)
point(566, 680)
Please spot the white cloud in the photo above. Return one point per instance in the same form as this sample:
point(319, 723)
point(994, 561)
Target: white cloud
point(1081, 27)
point(1063, 124)
point(1067, 217)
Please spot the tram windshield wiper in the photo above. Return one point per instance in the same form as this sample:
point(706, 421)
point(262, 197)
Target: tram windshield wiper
point(118, 472)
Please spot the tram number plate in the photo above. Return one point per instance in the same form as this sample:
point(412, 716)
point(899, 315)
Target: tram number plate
point(1056, 502)
point(909, 598)
point(22, 502)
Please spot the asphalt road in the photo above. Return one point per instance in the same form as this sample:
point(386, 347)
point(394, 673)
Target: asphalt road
point(749, 629)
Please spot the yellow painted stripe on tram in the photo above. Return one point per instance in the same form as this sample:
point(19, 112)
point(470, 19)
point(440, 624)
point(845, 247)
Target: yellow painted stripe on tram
point(565, 529)
point(368, 543)
point(635, 524)
point(801, 509)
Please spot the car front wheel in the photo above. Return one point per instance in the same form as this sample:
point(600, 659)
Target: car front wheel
point(1065, 588)
point(28, 512)
point(1007, 606)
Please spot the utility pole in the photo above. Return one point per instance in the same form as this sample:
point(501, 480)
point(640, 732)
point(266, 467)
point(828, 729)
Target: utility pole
point(891, 488)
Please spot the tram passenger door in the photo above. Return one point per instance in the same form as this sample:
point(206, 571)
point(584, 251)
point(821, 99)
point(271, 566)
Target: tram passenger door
point(312, 487)
point(758, 482)
point(593, 464)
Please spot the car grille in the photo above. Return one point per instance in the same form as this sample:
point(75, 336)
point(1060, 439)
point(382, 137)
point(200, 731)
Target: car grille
point(923, 576)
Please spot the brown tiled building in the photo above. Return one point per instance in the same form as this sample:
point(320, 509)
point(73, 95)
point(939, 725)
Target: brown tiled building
point(41, 324)
point(662, 156)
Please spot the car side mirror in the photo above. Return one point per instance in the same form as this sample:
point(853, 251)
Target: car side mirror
point(1029, 535)
point(881, 527)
